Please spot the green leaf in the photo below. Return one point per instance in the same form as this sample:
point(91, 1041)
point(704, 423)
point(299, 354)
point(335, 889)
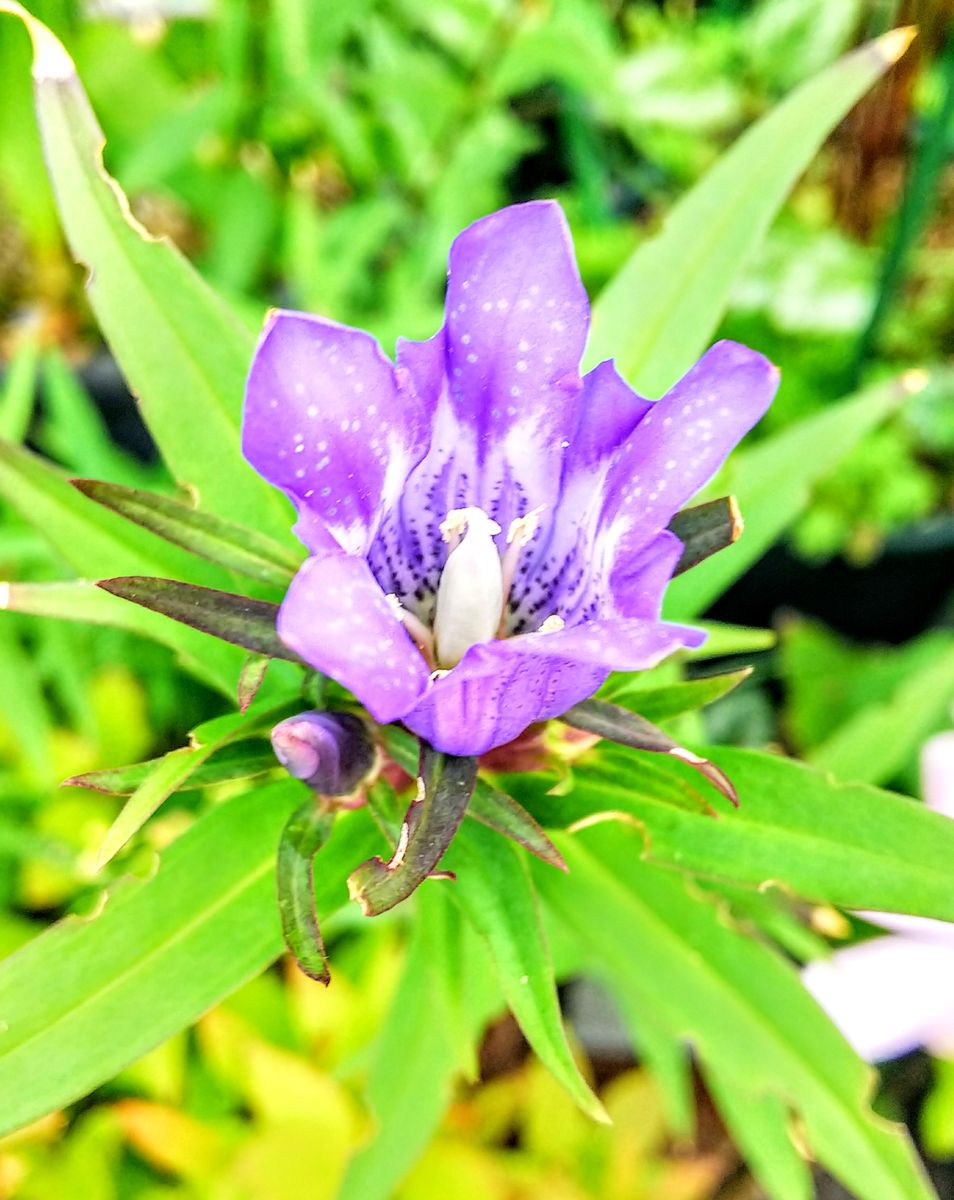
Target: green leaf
point(237, 619)
point(231, 546)
point(795, 827)
point(752, 1023)
point(488, 804)
point(306, 832)
point(875, 744)
point(663, 703)
point(246, 760)
point(176, 341)
point(95, 542)
point(759, 1125)
point(705, 529)
point(772, 482)
point(722, 639)
point(18, 393)
point(158, 954)
point(629, 729)
point(660, 310)
point(447, 783)
point(495, 890)
point(168, 774)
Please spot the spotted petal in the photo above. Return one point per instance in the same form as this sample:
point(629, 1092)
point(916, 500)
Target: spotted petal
point(516, 321)
point(336, 617)
point(328, 420)
point(686, 436)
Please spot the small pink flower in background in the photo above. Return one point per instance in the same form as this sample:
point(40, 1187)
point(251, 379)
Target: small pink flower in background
point(892, 994)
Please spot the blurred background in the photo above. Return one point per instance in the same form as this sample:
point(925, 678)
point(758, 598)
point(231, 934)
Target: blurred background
point(322, 155)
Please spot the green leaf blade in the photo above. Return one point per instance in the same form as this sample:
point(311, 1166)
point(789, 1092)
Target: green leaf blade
point(658, 313)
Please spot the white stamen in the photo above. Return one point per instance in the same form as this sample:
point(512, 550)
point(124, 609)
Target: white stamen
point(553, 624)
point(470, 594)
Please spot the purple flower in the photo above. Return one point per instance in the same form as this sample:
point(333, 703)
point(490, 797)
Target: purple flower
point(892, 994)
point(487, 529)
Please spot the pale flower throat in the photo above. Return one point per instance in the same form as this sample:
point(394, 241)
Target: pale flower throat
point(474, 587)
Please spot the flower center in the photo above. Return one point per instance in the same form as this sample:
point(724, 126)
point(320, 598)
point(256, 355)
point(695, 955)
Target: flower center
point(470, 594)
point(473, 588)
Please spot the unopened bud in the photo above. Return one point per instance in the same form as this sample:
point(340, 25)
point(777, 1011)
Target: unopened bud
point(330, 751)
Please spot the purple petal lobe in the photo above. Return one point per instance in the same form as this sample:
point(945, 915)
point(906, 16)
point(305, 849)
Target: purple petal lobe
point(516, 323)
point(491, 696)
point(336, 617)
point(328, 420)
point(609, 412)
point(501, 687)
point(685, 437)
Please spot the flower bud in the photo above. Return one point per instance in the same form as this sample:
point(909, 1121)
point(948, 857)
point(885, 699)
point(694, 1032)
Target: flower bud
point(330, 751)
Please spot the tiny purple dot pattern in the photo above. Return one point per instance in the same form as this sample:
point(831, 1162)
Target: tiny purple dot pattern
point(491, 412)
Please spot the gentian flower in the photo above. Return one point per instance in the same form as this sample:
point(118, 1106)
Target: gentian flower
point(487, 529)
point(889, 995)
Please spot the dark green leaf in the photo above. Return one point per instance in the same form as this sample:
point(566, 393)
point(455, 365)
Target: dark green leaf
point(622, 726)
point(488, 804)
point(447, 783)
point(232, 546)
point(305, 832)
point(236, 619)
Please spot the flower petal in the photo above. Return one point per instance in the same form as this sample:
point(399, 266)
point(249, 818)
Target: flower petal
point(336, 617)
point(516, 320)
point(888, 995)
point(685, 437)
point(499, 688)
point(609, 412)
point(328, 420)
point(492, 695)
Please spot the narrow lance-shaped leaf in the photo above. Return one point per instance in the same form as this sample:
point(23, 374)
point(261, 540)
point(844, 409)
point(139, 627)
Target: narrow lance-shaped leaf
point(165, 777)
point(706, 529)
point(660, 310)
point(661, 703)
point(246, 760)
point(447, 783)
point(620, 725)
point(236, 619)
point(743, 1007)
point(496, 892)
point(232, 546)
point(488, 805)
point(250, 679)
point(175, 340)
point(305, 832)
